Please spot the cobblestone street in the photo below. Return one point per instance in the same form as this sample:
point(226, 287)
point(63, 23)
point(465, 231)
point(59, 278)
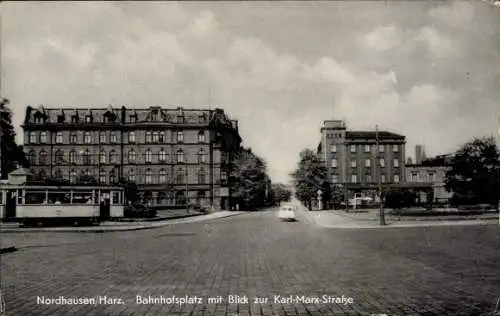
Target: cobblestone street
point(401, 271)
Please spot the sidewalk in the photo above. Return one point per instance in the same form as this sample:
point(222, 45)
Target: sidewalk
point(339, 219)
point(120, 226)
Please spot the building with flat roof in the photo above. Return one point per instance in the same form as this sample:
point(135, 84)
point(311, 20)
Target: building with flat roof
point(357, 160)
point(174, 155)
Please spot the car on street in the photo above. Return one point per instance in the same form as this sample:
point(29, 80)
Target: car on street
point(287, 212)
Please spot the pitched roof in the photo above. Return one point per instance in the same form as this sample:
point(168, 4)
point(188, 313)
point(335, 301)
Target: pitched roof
point(373, 135)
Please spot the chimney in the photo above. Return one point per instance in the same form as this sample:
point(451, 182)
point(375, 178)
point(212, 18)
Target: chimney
point(418, 154)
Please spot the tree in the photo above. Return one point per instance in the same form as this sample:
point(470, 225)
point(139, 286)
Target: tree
point(12, 154)
point(130, 190)
point(310, 176)
point(281, 193)
point(248, 179)
point(474, 176)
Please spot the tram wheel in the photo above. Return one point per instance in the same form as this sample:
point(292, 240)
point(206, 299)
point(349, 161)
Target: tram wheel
point(39, 224)
point(76, 223)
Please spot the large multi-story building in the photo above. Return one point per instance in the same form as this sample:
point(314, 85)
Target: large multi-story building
point(354, 160)
point(173, 155)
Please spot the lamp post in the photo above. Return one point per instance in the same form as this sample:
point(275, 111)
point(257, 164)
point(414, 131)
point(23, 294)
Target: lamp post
point(498, 145)
point(381, 210)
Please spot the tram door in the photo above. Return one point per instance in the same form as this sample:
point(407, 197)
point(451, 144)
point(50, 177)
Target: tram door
point(10, 204)
point(105, 207)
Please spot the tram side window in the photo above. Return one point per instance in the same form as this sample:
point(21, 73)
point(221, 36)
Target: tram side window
point(1, 198)
point(59, 198)
point(35, 197)
point(82, 198)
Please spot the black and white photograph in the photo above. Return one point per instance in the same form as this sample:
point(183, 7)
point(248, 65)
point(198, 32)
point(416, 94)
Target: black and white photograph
point(250, 158)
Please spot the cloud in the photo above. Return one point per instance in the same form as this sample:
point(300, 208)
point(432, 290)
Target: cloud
point(437, 44)
point(455, 14)
point(383, 38)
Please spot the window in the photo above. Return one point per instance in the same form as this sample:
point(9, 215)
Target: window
point(382, 178)
point(60, 118)
point(335, 178)
point(353, 148)
point(73, 138)
point(87, 157)
point(43, 158)
point(59, 157)
point(148, 156)
point(367, 148)
point(43, 137)
point(382, 162)
point(156, 137)
point(395, 148)
point(381, 148)
point(201, 137)
point(149, 176)
point(112, 137)
point(112, 176)
point(59, 138)
point(334, 163)
point(148, 137)
point(354, 178)
point(201, 119)
point(112, 156)
point(88, 119)
point(102, 157)
point(131, 137)
point(72, 176)
point(33, 138)
point(132, 118)
point(102, 176)
point(180, 156)
point(368, 178)
point(201, 176)
point(353, 163)
point(367, 163)
point(88, 138)
point(180, 137)
point(72, 157)
point(202, 156)
point(58, 174)
point(154, 116)
point(131, 156)
point(32, 157)
point(162, 155)
point(131, 175)
point(74, 119)
point(396, 163)
point(163, 176)
point(162, 137)
point(396, 178)
point(431, 176)
point(333, 148)
point(102, 137)
point(180, 176)
point(414, 176)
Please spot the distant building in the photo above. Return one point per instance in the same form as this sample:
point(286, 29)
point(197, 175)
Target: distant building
point(174, 155)
point(353, 159)
point(431, 171)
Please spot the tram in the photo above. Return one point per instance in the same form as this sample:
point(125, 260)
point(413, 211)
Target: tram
point(38, 205)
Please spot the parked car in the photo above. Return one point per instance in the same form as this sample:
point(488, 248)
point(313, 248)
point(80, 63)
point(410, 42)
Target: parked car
point(287, 212)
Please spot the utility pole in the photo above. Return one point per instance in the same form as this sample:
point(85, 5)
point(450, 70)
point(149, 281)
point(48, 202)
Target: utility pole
point(498, 145)
point(2, 110)
point(381, 210)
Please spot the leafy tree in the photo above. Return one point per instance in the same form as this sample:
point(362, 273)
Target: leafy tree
point(281, 193)
point(474, 177)
point(12, 154)
point(130, 190)
point(249, 179)
point(397, 198)
point(310, 176)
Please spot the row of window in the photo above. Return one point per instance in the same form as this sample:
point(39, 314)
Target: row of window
point(111, 157)
point(111, 118)
point(148, 176)
point(416, 176)
point(368, 148)
point(368, 178)
point(151, 137)
point(367, 163)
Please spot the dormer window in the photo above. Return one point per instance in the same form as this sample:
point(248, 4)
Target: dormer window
point(60, 118)
point(180, 118)
point(154, 116)
point(109, 117)
point(74, 118)
point(88, 119)
point(201, 119)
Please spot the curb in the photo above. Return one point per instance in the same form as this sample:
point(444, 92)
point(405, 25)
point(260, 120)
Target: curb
point(110, 229)
point(414, 225)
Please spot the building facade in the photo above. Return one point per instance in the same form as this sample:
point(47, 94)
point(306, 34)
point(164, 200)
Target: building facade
point(174, 156)
point(354, 160)
point(432, 171)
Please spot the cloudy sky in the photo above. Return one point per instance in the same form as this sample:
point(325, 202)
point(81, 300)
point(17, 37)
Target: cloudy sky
point(428, 70)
